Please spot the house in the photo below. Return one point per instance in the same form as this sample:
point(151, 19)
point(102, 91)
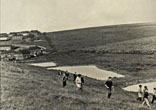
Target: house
point(28, 38)
point(36, 33)
point(2, 56)
point(35, 51)
point(25, 33)
point(18, 56)
point(17, 36)
point(15, 56)
point(5, 47)
point(4, 37)
point(13, 33)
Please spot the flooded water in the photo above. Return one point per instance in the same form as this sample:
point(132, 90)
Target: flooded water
point(134, 88)
point(90, 71)
point(45, 64)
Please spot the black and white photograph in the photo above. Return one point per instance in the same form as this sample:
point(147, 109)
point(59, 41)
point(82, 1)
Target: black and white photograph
point(78, 54)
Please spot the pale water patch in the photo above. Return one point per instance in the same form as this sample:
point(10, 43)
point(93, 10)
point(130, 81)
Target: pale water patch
point(44, 64)
point(90, 71)
point(134, 88)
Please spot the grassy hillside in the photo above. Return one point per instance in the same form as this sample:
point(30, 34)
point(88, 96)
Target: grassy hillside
point(91, 37)
point(125, 49)
point(31, 88)
point(145, 45)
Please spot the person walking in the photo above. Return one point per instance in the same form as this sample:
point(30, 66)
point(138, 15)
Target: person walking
point(109, 86)
point(140, 93)
point(154, 95)
point(145, 97)
point(74, 76)
point(67, 74)
point(79, 82)
point(64, 79)
point(59, 72)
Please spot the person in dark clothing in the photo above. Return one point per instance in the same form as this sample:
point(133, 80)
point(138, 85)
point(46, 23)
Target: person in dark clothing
point(82, 80)
point(74, 76)
point(64, 80)
point(67, 74)
point(154, 95)
point(109, 86)
point(145, 98)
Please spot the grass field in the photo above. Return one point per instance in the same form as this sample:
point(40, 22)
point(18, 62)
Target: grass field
point(99, 36)
point(145, 45)
point(32, 88)
point(26, 87)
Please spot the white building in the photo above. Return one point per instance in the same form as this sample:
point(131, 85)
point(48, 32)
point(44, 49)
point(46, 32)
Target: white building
point(5, 47)
point(4, 37)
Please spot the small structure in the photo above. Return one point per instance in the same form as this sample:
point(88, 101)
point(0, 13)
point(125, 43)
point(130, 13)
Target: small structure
point(15, 56)
point(25, 33)
point(5, 47)
point(13, 34)
point(29, 38)
point(3, 56)
point(4, 37)
point(18, 56)
point(17, 36)
point(36, 33)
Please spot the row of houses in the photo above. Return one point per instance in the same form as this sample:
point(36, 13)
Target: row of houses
point(9, 52)
point(22, 54)
point(23, 35)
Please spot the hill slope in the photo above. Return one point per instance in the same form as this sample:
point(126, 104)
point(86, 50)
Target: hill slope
point(32, 88)
point(145, 45)
point(97, 36)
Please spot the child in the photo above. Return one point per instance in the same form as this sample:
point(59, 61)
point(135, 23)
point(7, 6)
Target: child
point(140, 93)
point(154, 95)
point(146, 94)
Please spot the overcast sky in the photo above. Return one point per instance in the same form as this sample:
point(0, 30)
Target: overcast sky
point(52, 15)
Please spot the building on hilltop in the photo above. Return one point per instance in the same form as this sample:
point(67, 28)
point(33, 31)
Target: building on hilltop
point(4, 37)
point(12, 33)
point(36, 33)
point(17, 36)
point(25, 33)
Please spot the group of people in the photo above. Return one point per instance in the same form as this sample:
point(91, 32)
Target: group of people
point(77, 78)
point(143, 95)
point(79, 81)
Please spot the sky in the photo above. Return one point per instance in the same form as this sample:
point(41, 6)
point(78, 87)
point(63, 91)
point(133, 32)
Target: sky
point(56, 15)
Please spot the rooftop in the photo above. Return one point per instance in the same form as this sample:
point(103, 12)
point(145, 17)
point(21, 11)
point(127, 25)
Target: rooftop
point(3, 35)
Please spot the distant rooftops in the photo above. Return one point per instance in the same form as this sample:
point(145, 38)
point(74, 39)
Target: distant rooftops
point(31, 31)
point(3, 35)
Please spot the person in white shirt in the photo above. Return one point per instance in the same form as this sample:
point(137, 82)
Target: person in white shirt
point(79, 82)
point(140, 93)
